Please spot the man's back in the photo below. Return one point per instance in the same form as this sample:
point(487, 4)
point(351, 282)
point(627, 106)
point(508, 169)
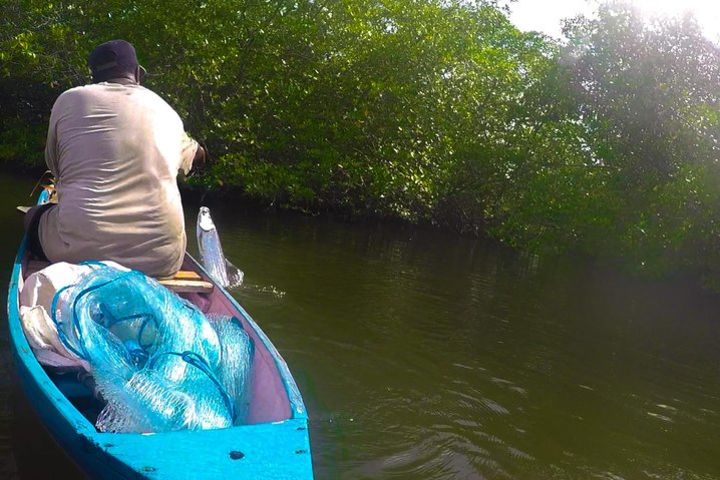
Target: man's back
point(115, 151)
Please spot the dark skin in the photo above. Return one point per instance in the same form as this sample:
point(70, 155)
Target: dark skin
point(134, 78)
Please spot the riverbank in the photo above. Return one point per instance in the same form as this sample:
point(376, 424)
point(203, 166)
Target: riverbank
point(233, 199)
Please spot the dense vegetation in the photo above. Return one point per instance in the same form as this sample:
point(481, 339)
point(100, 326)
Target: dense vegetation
point(430, 110)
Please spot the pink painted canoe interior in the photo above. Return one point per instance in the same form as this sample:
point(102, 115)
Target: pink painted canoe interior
point(269, 399)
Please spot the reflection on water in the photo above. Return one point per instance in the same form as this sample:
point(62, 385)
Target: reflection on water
point(422, 355)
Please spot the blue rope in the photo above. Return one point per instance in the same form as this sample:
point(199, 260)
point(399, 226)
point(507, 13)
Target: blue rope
point(78, 297)
point(147, 317)
point(138, 356)
point(201, 364)
point(75, 322)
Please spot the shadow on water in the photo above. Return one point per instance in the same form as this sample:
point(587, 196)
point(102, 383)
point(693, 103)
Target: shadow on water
point(422, 355)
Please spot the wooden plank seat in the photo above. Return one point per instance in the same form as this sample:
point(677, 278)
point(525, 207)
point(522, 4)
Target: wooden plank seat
point(186, 281)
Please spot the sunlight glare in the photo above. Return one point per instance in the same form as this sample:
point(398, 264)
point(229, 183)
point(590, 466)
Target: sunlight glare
point(707, 13)
point(535, 14)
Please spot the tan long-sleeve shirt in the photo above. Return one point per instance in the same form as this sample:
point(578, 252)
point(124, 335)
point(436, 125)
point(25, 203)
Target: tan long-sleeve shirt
point(115, 151)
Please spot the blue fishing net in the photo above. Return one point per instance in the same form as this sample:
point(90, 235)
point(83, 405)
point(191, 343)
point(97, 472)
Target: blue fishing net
point(158, 362)
point(234, 370)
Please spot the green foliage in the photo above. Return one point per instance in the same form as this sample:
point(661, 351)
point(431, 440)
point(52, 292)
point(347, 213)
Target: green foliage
point(428, 110)
point(648, 94)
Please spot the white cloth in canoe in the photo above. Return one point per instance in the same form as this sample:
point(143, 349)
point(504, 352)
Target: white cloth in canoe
point(35, 304)
point(115, 151)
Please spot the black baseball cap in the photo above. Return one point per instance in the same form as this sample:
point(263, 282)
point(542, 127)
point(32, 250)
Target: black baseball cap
point(113, 59)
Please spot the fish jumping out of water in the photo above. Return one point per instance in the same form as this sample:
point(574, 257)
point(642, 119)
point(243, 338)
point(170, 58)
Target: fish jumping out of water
point(211, 252)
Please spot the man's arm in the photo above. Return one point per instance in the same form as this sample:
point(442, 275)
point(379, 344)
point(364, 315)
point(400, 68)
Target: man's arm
point(191, 152)
point(195, 156)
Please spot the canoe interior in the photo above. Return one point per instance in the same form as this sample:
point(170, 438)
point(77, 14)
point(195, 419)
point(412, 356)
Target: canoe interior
point(269, 401)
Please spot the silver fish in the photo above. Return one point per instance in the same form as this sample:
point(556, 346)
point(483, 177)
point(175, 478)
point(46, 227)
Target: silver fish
point(211, 253)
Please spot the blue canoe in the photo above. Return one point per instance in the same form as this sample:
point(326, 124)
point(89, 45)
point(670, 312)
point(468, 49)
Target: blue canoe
point(274, 444)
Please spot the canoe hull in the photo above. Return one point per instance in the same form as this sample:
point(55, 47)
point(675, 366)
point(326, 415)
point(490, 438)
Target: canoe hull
point(271, 449)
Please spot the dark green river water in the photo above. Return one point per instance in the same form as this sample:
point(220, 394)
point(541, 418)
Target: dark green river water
point(422, 355)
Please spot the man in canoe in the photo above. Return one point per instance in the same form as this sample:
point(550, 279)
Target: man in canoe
point(115, 149)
